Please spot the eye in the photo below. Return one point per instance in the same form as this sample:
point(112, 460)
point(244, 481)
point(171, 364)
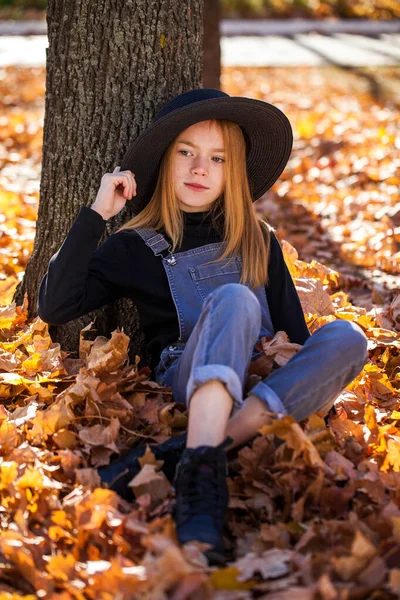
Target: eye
point(219, 159)
point(184, 151)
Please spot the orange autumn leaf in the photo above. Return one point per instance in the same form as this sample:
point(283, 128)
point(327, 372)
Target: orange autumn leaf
point(314, 299)
point(61, 568)
point(108, 355)
point(58, 416)
point(9, 436)
point(279, 348)
point(287, 429)
point(392, 458)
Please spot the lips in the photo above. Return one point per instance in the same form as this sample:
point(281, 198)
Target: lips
point(196, 186)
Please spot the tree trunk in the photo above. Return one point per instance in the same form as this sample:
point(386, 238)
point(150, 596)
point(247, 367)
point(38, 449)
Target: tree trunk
point(211, 44)
point(110, 68)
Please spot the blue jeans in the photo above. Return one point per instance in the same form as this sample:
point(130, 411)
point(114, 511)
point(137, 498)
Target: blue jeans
point(221, 347)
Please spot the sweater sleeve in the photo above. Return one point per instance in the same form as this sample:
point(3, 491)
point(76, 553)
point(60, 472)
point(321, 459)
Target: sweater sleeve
point(284, 303)
point(81, 278)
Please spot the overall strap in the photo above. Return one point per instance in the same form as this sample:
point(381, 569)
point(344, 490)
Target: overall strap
point(155, 241)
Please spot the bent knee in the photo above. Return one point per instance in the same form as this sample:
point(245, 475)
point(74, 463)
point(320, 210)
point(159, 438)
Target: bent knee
point(351, 336)
point(236, 293)
point(237, 302)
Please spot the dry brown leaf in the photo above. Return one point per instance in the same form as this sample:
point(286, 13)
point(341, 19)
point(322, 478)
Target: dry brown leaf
point(290, 431)
point(270, 564)
point(394, 581)
point(362, 551)
point(108, 355)
point(279, 348)
point(148, 458)
point(98, 435)
point(314, 299)
point(326, 588)
point(194, 586)
point(149, 481)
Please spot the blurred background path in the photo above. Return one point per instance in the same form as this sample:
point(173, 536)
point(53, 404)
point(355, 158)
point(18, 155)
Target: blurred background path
point(252, 43)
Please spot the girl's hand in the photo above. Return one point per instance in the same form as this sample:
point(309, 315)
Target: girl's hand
point(115, 189)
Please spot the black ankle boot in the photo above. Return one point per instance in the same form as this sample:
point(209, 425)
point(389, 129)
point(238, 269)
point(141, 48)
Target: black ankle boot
point(202, 497)
point(120, 472)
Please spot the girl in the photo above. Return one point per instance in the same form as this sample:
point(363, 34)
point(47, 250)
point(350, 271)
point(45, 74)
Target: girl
point(209, 280)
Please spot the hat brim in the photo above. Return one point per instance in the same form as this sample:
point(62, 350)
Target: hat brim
point(268, 134)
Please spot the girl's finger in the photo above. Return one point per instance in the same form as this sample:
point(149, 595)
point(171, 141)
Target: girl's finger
point(127, 188)
point(134, 185)
point(127, 180)
point(131, 181)
point(122, 184)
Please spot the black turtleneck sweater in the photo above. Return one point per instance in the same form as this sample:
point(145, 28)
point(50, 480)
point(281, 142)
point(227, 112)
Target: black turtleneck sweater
point(82, 277)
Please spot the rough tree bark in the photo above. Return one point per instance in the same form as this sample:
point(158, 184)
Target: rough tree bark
point(211, 44)
point(110, 67)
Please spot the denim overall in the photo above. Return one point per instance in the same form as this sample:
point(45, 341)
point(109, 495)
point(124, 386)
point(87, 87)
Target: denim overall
point(221, 320)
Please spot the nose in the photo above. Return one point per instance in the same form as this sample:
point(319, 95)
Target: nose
point(199, 166)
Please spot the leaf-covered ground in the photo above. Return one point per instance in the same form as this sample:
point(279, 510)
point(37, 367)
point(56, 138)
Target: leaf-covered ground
point(311, 9)
point(315, 510)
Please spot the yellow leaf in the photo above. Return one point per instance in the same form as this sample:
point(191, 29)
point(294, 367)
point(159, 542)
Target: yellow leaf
point(61, 567)
point(392, 458)
point(32, 478)
point(227, 579)
point(8, 474)
point(290, 255)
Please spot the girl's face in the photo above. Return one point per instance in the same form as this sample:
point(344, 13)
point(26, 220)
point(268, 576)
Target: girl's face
point(198, 167)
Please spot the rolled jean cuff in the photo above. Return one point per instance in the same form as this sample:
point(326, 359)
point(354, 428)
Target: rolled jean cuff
point(226, 375)
point(267, 395)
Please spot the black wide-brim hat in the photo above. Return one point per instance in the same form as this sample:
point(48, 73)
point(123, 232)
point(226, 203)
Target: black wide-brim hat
point(266, 129)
